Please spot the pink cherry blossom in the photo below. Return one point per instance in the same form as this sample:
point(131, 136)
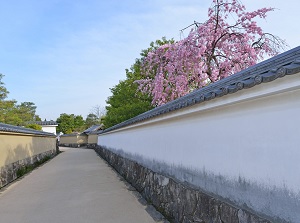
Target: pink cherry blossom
point(215, 49)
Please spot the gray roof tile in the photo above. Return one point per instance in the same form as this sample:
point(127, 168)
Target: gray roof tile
point(93, 128)
point(72, 134)
point(18, 129)
point(46, 122)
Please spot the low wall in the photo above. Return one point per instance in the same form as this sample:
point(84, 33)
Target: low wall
point(20, 147)
point(236, 139)
point(178, 202)
point(73, 140)
point(92, 140)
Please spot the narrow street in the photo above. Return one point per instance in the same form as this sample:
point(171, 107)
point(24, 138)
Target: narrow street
point(76, 186)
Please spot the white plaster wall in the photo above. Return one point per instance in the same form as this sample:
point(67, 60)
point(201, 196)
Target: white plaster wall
point(253, 134)
point(51, 129)
point(257, 138)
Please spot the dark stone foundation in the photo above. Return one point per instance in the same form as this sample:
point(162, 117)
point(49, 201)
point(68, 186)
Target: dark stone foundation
point(177, 201)
point(8, 173)
point(73, 145)
point(91, 145)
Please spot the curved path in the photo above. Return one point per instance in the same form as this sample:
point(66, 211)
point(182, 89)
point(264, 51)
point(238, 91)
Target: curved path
point(76, 186)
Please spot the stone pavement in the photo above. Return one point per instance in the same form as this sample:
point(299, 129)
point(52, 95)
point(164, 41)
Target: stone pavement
point(76, 186)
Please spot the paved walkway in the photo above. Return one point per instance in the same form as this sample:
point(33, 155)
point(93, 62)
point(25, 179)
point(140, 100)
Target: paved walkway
point(76, 186)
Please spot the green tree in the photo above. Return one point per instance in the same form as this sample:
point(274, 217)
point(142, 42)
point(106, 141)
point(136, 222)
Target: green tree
point(8, 109)
point(65, 123)
point(91, 119)
point(99, 112)
point(95, 117)
point(79, 123)
point(11, 112)
point(70, 123)
point(126, 101)
point(34, 126)
point(26, 112)
point(3, 91)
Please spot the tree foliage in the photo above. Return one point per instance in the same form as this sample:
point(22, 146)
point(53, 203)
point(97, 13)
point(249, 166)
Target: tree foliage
point(8, 112)
point(126, 101)
point(12, 113)
point(96, 116)
point(69, 123)
point(3, 91)
point(34, 126)
point(26, 111)
point(91, 119)
point(98, 111)
point(228, 42)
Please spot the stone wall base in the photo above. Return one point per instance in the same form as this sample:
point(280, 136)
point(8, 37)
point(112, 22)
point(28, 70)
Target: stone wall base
point(175, 200)
point(8, 173)
point(73, 145)
point(91, 145)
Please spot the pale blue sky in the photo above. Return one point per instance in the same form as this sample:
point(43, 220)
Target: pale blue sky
point(64, 55)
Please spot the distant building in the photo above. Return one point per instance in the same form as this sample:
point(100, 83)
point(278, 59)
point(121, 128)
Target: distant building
point(92, 134)
point(73, 140)
point(93, 128)
point(48, 126)
point(87, 138)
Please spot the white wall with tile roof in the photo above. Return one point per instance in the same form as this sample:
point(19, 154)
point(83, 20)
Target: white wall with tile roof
point(250, 139)
point(50, 129)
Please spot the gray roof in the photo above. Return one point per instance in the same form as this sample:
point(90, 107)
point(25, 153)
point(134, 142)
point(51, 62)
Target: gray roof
point(71, 134)
point(46, 122)
point(96, 132)
point(287, 63)
point(18, 129)
point(93, 128)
